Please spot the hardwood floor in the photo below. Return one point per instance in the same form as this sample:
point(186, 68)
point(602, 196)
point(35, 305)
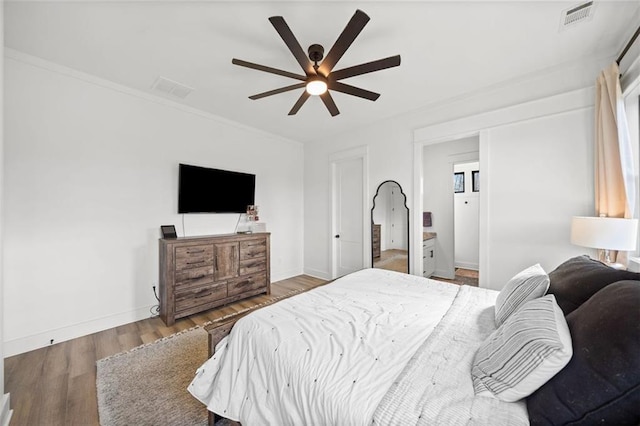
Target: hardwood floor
point(393, 260)
point(463, 276)
point(56, 385)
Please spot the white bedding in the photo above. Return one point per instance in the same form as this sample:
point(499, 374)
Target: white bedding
point(325, 356)
point(374, 347)
point(436, 387)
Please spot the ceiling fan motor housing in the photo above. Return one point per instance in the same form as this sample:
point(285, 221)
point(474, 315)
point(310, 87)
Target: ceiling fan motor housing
point(316, 53)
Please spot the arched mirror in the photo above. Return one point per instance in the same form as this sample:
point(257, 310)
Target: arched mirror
point(390, 228)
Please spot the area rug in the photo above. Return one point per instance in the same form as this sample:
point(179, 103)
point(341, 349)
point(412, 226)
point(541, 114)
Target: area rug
point(148, 385)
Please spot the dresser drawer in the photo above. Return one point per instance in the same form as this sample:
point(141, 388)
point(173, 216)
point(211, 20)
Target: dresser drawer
point(194, 257)
point(252, 266)
point(186, 299)
point(248, 283)
point(194, 277)
point(253, 249)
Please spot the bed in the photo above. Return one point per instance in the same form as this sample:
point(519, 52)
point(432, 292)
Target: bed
point(380, 347)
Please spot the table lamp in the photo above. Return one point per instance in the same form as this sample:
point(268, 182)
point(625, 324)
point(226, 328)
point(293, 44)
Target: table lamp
point(605, 233)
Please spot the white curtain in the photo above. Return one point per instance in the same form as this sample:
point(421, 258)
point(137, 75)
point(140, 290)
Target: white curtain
point(614, 177)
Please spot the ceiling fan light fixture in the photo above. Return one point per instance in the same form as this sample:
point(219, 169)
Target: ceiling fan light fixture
point(316, 86)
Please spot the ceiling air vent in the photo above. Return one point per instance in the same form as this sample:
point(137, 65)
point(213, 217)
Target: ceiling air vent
point(171, 88)
point(576, 14)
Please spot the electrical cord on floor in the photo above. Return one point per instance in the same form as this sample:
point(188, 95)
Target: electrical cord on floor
point(155, 309)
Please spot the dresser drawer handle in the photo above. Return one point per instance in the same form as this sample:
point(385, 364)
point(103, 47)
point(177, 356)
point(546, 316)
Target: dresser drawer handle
point(203, 295)
point(195, 263)
point(199, 276)
point(195, 251)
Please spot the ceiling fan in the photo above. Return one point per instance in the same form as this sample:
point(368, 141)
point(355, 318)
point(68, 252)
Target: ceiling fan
point(320, 78)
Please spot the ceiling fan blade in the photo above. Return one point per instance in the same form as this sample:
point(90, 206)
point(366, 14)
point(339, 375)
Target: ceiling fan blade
point(267, 69)
point(380, 64)
point(290, 40)
point(348, 35)
point(329, 103)
point(301, 100)
point(352, 90)
point(276, 91)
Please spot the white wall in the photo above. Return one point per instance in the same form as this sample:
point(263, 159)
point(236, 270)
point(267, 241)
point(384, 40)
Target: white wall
point(539, 173)
point(91, 172)
point(466, 220)
point(438, 165)
point(5, 413)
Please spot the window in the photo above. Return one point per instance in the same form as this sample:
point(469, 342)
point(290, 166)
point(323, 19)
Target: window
point(632, 105)
point(458, 182)
point(475, 179)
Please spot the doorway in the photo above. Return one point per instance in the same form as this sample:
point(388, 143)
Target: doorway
point(350, 239)
point(438, 199)
point(466, 225)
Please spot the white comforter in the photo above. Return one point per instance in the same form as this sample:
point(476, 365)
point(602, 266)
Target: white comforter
point(374, 347)
point(324, 357)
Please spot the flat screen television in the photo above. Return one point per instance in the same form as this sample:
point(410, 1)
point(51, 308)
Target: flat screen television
point(205, 190)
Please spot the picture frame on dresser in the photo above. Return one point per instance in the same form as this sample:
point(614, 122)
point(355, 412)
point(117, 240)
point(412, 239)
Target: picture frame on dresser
point(168, 231)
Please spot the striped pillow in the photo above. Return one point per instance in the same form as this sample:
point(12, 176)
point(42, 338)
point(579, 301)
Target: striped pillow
point(527, 285)
point(524, 353)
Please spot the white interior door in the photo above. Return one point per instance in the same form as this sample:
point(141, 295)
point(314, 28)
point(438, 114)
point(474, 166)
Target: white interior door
point(348, 219)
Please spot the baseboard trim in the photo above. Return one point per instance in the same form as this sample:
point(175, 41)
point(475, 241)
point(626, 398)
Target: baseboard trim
point(40, 340)
point(465, 265)
point(316, 273)
point(442, 273)
point(5, 410)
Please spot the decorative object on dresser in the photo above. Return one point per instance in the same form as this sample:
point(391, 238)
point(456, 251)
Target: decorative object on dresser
point(200, 273)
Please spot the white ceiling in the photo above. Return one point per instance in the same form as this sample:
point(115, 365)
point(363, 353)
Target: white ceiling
point(449, 50)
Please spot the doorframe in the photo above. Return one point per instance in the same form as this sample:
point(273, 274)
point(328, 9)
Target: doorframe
point(418, 197)
point(359, 152)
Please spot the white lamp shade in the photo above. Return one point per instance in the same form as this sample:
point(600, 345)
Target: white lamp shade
point(609, 233)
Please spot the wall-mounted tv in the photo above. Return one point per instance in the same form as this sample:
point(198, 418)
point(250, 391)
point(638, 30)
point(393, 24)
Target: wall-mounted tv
point(205, 190)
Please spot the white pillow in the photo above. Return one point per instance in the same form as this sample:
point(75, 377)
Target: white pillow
point(527, 285)
point(531, 347)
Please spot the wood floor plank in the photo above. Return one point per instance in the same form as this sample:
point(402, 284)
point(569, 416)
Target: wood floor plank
point(82, 356)
point(50, 399)
point(56, 385)
point(81, 406)
point(106, 343)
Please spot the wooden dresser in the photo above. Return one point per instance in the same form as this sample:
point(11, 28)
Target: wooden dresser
point(375, 240)
point(200, 273)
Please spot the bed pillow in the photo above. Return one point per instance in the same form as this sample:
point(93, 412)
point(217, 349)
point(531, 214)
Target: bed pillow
point(527, 350)
point(579, 278)
point(601, 383)
point(527, 285)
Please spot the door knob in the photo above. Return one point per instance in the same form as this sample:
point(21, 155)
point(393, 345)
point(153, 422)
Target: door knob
point(338, 236)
